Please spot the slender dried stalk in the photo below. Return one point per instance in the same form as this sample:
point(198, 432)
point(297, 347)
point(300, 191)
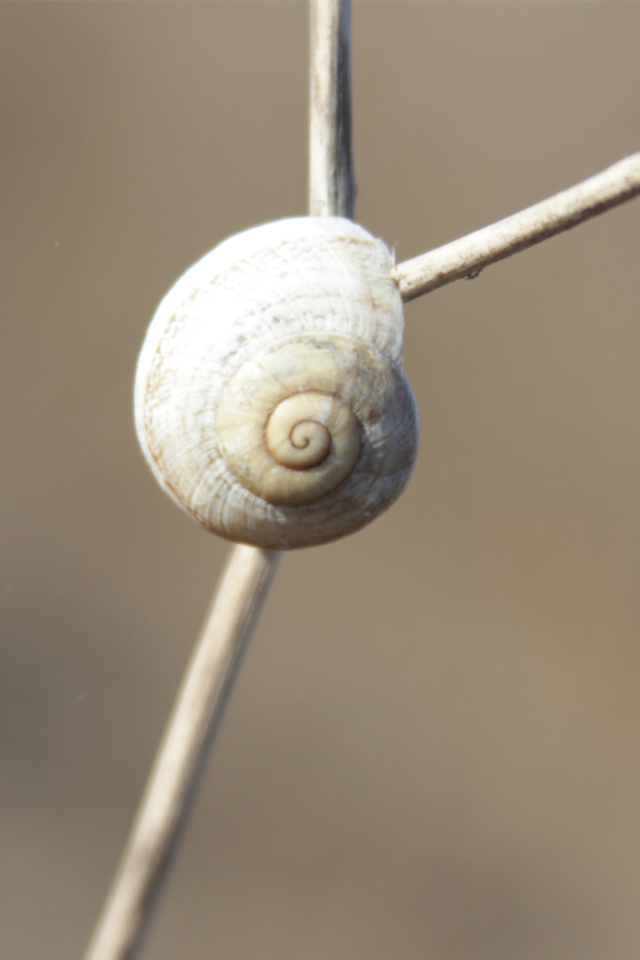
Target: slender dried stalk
point(332, 185)
point(467, 256)
point(177, 771)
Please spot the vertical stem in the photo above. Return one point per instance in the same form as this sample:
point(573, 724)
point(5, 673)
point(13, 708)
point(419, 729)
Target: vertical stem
point(332, 185)
point(173, 783)
point(177, 771)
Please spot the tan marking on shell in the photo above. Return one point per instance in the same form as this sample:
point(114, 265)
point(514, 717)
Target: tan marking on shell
point(308, 446)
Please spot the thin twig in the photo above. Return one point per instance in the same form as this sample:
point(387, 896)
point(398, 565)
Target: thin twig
point(177, 771)
point(332, 185)
point(467, 256)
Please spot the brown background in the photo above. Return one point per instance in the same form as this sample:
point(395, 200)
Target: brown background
point(433, 752)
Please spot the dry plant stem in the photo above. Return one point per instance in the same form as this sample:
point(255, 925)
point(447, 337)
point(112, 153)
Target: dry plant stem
point(467, 256)
point(175, 777)
point(177, 770)
point(332, 186)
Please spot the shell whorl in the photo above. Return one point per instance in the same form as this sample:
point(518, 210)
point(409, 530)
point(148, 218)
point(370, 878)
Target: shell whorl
point(307, 446)
point(300, 436)
point(270, 402)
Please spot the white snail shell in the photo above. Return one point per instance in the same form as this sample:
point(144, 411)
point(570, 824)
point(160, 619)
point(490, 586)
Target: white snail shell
point(269, 398)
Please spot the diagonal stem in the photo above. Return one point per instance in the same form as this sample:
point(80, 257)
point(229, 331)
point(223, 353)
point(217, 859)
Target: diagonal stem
point(177, 771)
point(469, 255)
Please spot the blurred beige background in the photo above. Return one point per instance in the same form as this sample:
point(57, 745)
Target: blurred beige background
point(433, 752)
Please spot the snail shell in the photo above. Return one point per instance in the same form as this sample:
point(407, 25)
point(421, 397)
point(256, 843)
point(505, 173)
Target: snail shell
point(270, 401)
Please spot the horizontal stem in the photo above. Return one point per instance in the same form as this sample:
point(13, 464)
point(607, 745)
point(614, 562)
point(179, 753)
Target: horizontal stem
point(468, 255)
